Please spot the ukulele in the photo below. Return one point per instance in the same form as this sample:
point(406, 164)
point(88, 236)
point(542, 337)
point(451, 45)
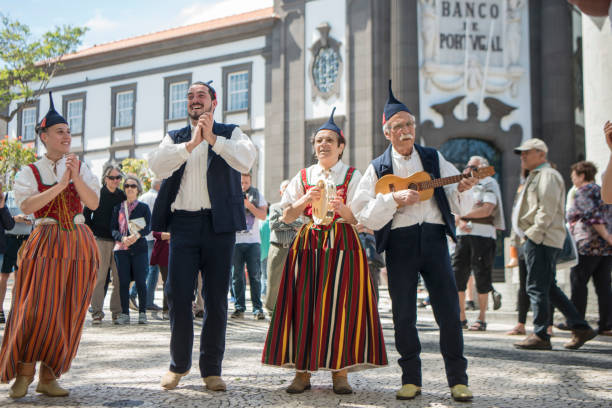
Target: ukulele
point(423, 183)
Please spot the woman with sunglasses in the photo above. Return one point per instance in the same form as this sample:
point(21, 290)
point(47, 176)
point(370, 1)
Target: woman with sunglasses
point(130, 224)
point(99, 220)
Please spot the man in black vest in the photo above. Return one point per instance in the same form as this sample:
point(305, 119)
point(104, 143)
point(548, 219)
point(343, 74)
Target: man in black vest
point(413, 235)
point(200, 203)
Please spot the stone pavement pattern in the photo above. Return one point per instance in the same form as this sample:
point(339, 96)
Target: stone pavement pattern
point(120, 366)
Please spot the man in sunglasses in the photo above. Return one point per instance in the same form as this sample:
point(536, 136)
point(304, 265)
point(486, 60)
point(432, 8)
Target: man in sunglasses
point(200, 203)
point(476, 243)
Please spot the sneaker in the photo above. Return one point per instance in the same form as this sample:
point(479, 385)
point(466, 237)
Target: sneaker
point(2, 318)
point(260, 315)
point(238, 314)
point(133, 303)
point(496, 299)
point(154, 308)
point(122, 319)
point(142, 318)
point(96, 320)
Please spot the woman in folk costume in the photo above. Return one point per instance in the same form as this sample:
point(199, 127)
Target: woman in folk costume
point(58, 265)
point(326, 315)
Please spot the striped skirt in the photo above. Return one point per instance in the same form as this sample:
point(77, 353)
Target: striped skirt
point(53, 287)
point(326, 315)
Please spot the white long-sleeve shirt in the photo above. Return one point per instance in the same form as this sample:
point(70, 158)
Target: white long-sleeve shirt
point(238, 151)
point(375, 211)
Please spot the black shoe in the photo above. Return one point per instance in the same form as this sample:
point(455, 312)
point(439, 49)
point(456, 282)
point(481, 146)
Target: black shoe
point(154, 308)
point(199, 313)
point(469, 305)
point(260, 315)
point(2, 318)
point(562, 326)
point(238, 314)
point(496, 299)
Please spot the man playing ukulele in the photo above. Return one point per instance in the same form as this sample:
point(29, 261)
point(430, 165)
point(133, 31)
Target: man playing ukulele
point(413, 235)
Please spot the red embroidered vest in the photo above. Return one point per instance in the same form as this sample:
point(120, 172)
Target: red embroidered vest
point(63, 208)
point(341, 190)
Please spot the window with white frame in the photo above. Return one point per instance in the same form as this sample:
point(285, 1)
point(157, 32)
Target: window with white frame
point(74, 115)
point(177, 105)
point(28, 124)
point(124, 115)
point(238, 91)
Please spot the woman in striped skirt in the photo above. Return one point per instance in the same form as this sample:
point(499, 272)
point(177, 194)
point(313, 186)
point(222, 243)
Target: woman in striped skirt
point(57, 267)
point(326, 315)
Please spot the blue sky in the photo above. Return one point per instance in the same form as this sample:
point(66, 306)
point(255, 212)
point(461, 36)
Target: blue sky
point(111, 20)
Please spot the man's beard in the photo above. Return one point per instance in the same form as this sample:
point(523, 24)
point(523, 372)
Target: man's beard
point(196, 116)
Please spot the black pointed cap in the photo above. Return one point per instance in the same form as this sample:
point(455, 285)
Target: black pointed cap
point(393, 106)
point(331, 125)
point(52, 117)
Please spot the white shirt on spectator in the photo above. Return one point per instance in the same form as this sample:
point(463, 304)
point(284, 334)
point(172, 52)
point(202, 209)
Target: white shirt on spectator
point(251, 234)
point(238, 151)
point(149, 199)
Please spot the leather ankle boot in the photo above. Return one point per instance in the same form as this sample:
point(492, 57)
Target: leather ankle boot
point(300, 383)
point(47, 383)
point(25, 376)
point(340, 381)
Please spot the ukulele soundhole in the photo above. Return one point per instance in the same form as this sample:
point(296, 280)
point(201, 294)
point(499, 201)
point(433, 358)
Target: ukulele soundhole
point(392, 187)
point(413, 186)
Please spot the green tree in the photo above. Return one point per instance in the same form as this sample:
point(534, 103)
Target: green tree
point(14, 155)
point(27, 65)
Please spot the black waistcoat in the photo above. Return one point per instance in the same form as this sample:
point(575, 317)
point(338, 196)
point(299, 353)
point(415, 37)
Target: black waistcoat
point(224, 189)
point(383, 165)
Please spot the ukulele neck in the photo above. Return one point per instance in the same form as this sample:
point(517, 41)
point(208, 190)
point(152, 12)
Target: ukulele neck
point(435, 183)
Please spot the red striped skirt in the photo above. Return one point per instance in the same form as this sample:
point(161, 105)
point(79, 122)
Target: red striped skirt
point(326, 315)
point(53, 287)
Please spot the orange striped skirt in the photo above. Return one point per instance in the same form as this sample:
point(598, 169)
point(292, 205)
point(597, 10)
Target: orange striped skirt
point(326, 316)
point(53, 287)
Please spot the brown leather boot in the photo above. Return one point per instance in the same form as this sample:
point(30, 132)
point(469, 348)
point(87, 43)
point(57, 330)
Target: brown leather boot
point(579, 337)
point(300, 383)
point(47, 383)
point(534, 342)
point(340, 381)
point(25, 376)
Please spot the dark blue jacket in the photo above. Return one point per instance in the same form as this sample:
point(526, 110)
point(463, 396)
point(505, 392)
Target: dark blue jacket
point(383, 165)
point(224, 189)
point(6, 223)
point(141, 210)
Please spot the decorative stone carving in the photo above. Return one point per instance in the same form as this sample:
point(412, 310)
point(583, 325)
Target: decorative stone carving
point(513, 31)
point(325, 65)
point(430, 32)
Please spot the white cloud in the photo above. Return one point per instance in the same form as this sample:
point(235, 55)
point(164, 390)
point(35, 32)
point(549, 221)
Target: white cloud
point(197, 12)
point(100, 23)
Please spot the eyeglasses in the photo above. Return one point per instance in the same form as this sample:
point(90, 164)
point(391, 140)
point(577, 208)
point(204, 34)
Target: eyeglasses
point(114, 177)
point(402, 126)
point(130, 186)
point(472, 167)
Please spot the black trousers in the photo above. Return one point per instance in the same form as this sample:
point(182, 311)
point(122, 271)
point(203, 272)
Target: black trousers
point(423, 249)
point(599, 268)
point(195, 247)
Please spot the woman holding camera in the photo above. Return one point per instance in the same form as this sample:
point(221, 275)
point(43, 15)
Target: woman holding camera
point(130, 224)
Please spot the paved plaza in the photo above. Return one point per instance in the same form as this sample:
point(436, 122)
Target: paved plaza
point(119, 366)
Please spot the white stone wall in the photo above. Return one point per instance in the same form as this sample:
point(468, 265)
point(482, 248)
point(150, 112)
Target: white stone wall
point(149, 106)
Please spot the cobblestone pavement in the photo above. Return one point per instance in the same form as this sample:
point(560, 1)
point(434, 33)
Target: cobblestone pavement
point(120, 366)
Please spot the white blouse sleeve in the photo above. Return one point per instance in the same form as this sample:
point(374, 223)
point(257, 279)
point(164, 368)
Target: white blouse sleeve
point(293, 192)
point(90, 179)
point(25, 185)
point(460, 203)
point(238, 151)
point(352, 187)
point(372, 210)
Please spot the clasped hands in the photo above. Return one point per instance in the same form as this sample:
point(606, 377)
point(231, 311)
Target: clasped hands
point(130, 239)
point(72, 171)
point(203, 132)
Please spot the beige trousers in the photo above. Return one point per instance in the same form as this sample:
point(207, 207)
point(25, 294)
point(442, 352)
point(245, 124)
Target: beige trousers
point(276, 264)
point(107, 259)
